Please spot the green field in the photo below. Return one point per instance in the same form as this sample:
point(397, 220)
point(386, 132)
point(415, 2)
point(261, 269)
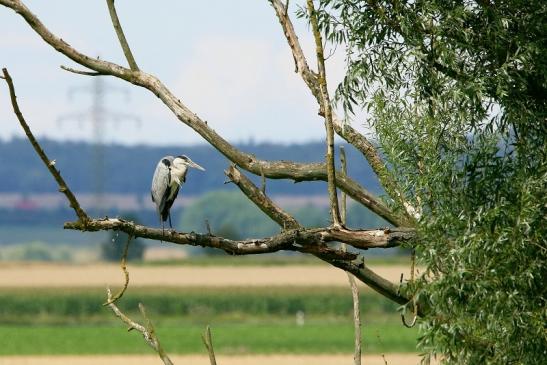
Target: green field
point(199, 305)
point(186, 338)
point(243, 320)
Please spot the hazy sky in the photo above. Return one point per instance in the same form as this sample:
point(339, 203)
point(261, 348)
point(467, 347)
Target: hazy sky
point(228, 61)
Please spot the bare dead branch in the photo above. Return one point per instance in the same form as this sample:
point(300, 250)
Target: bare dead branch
point(373, 280)
point(147, 331)
point(50, 164)
point(344, 166)
point(261, 200)
point(271, 169)
point(356, 319)
point(326, 112)
point(344, 130)
point(351, 278)
point(80, 72)
point(301, 64)
point(374, 238)
point(208, 342)
point(121, 36)
point(123, 265)
point(152, 331)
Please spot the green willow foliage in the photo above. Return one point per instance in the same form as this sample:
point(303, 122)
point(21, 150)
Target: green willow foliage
point(455, 92)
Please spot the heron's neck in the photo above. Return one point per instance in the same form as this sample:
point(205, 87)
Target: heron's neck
point(178, 175)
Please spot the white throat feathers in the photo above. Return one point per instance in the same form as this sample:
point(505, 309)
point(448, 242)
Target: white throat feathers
point(178, 174)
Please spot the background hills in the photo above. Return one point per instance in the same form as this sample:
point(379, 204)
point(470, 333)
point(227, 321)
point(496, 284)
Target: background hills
point(129, 169)
point(31, 208)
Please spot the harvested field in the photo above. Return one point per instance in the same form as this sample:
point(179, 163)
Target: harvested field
point(399, 359)
point(14, 275)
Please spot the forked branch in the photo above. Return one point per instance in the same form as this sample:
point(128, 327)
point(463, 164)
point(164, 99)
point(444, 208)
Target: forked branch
point(147, 330)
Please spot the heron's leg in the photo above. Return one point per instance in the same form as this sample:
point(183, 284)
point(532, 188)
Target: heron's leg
point(162, 229)
point(170, 225)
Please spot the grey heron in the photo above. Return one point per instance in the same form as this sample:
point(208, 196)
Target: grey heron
point(170, 174)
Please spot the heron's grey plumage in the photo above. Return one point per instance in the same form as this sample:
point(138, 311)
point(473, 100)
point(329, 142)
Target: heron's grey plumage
point(168, 177)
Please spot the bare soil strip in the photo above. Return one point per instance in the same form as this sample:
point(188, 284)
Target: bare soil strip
point(399, 359)
point(99, 275)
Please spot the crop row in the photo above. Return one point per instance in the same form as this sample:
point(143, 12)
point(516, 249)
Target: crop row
point(75, 305)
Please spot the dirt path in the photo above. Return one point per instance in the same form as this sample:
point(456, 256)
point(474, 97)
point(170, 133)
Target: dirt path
point(100, 275)
point(399, 359)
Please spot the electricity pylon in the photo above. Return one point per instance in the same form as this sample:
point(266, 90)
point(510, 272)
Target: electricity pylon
point(98, 114)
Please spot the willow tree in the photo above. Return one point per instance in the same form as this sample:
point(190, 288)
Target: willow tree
point(454, 94)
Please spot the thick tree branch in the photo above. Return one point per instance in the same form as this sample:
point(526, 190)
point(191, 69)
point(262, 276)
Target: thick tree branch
point(261, 200)
point(50, 164)
point(373, 280)
point(286, 240)
point(121, 37)
point(147, 331)
point(326, 111)
point(301, 64)
point(270, 169)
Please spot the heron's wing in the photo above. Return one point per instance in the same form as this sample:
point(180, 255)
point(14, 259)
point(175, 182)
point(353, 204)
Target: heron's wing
point(170, 198)
point(160, 183)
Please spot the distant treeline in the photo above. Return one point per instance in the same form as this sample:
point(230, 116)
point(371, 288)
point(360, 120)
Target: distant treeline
point(129, 169)
point(229, 214)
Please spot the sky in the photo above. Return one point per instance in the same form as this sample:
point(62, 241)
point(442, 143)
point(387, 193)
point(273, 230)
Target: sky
point(228, 61)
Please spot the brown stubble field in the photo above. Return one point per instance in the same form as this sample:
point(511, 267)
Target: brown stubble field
point(28, 275)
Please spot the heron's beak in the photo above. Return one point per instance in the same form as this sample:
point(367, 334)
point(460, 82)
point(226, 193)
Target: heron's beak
point(195, 165)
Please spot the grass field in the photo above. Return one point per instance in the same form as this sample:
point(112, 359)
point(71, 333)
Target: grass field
point(74, 306)
point(252, 310)
point(244, 321)
point(247, 338)
point(224, 359)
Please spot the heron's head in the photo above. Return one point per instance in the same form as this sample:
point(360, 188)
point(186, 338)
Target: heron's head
point(180, 161)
